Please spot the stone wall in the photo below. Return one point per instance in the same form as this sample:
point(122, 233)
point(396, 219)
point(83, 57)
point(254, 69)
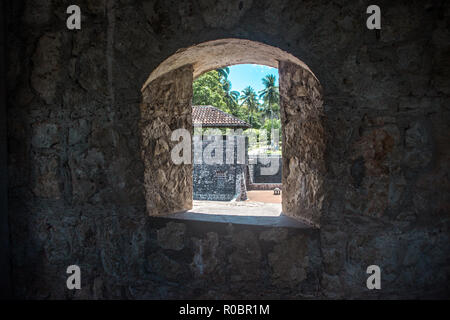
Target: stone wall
point(5, 257)
point(166, 107)
point(207, 260)
point(264, 186)
point(76, 191)
point(223, 261)
point(303, 143)
point(218, 182)
point(255, 165)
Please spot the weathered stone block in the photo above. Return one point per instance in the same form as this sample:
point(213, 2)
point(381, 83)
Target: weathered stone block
point(274, 235)
point(205, 258)
point(45, 135)
point(47, 183)
point(79, 132)
point(418, 146)
point(303, 143)
point(166, 106)
point(245, 258)
point(47, 66)
point(289, 261)
point(172, 236)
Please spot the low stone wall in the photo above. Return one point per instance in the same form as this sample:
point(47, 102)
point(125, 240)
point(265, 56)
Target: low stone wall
point(256, 164)
point(208, 260)
point(264, 186)
point(218, 182)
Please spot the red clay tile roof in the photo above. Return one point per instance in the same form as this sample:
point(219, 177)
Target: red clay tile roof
point(209, 116)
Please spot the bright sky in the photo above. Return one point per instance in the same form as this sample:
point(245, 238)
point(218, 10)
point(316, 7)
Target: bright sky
point(243, 75)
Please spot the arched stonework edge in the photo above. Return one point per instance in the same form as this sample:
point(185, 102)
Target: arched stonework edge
point(167, 101)
point(166, 106)
point(303, 143)
point(215, 54)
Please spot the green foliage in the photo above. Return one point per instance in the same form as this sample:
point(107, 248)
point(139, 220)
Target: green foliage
point(208, 90)
point(250, 100)
point(271, 97)
point(270, 124)
point(223, 72)
point(270, 92)
point(214, 88)
point(231, 97)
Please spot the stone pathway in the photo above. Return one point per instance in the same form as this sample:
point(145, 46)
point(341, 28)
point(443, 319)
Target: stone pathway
point(265, 196)
point(237, 208)
point(240, 212)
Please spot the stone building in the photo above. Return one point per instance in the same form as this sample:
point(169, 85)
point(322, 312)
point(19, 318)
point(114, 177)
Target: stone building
point(86, 177)
point(256, 165)
point(222, 180)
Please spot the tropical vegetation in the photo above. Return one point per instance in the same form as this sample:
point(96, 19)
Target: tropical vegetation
point(260, 109)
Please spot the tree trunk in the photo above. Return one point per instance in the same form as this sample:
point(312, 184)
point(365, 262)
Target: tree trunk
point(271, 125)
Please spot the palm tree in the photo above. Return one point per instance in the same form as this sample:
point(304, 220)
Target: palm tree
point(270, 94)
point(231, 97)
point(223, 73)
point(250, 99)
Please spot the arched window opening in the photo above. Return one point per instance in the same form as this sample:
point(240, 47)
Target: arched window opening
point(167, 127)
point(237, 142)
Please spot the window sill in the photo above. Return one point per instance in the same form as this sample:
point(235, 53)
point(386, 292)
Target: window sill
point(268, 221)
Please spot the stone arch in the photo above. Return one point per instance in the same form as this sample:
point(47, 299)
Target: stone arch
point(166, 106)
point(220, 53)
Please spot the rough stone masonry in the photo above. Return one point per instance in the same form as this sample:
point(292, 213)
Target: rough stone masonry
point(87, 151)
